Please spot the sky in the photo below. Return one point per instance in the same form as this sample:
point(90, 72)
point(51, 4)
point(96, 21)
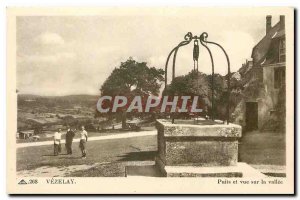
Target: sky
point(64, 55)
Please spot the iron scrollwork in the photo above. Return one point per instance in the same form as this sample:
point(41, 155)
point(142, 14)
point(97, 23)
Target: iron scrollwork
point(203, 40)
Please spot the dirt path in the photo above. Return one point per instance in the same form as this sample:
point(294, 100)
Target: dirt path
point(64, 171)
point(48, 171)
point(107, 137)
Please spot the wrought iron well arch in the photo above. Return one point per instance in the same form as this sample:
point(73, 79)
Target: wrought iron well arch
point(203, 41)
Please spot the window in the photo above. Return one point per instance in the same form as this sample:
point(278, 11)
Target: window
point(279, 77)
point(282, 50)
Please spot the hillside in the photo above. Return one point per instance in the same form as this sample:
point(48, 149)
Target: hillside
point(28, 100)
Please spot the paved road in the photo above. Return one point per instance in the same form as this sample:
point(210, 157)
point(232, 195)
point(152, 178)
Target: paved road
point(107, 137)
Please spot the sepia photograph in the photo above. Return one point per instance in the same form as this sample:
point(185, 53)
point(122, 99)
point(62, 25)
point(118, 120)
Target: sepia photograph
point(182, 95)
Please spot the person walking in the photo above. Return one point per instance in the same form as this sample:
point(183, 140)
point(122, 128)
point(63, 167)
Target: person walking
point(57, 142)
point(69, 139)
point(83, 141)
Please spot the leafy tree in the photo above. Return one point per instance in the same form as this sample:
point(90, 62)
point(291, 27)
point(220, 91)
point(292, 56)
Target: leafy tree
point(199, 84)
point(192, 84)
point(130, 79)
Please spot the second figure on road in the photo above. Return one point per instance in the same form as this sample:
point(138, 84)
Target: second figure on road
point(69, 139)
point(83, 141)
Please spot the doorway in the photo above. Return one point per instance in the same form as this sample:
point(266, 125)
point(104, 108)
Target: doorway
point(251, 116)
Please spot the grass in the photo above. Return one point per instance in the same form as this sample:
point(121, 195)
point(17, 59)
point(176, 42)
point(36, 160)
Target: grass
point(262, 148)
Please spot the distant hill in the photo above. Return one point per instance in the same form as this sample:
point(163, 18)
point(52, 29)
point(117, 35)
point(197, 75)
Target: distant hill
point(70, 97)
point(51, 101)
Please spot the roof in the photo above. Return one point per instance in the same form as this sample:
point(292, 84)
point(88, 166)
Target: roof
point(261, 48)
point(134, 121)
point(279, 34)
point(27, 132)
point(272, 55)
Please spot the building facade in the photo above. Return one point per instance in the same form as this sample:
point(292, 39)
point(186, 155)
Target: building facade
point(263, 102)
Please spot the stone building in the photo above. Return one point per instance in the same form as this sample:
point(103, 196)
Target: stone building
point(274, 66)
point(263, 97)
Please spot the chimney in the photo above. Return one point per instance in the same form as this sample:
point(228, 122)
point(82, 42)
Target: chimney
point(268, 23)
point(282, 22)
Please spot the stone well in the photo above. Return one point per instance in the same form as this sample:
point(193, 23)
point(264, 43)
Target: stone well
point(191, 148)
point(202, 149)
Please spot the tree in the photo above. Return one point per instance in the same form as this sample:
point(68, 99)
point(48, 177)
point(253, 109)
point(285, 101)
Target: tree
point(192, 84)
point(200, 84)
point(130, 79)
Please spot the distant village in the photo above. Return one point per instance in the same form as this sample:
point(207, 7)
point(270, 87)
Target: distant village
point(43, 115)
